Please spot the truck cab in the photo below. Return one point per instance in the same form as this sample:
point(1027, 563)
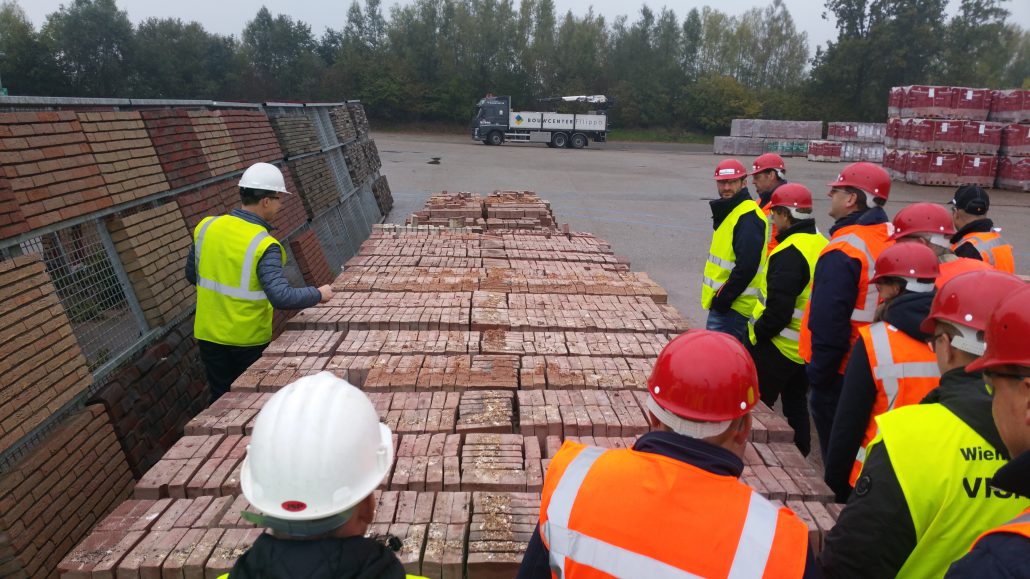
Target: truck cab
point(491, 119)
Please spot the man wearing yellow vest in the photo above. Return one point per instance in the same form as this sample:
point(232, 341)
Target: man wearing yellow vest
point(926, 489)
point(891, 364)
point(734, 277)
point(775, 325)
point(842, 298)
point(977, 238)
point(671, 506)
point(315, 458)
point(237, 268)
point(1004, 551)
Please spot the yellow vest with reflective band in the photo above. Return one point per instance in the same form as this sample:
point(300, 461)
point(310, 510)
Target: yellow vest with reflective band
point(722, 259)
point(232, 309)
point(944, 468)
point(810, 245)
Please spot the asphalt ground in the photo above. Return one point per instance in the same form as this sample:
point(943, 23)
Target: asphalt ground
point(649, 200)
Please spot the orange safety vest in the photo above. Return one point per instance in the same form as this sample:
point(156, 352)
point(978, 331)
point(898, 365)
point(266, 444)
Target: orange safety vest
point(767, 209)
point(864, 243)
point(992, 248)
point(1019, 526)
point(950, 269)
point(904, 371)
point(627, 513)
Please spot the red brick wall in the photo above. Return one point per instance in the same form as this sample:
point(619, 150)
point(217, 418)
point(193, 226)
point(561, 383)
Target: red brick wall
point(292, 214)
point(206, 201)
point(40, 361)
point(311, 259)
point(316, 184)
point(125, 154)
point(12, 222)
point(253, 136)
point(216, 142)
point(56, 494)
point(178, 147)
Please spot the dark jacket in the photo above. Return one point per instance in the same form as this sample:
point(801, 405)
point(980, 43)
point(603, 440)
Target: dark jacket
point(858, 393)
point(834, 292)
point(270, 273)
point(787, 277)
point(874, 535)
point(967, 249)
point(764, 199)
point(714, 459)
point(1001, 555)
point(748, 245)
point(351, 558)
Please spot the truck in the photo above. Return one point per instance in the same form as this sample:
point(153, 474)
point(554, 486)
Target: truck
point(495, 123)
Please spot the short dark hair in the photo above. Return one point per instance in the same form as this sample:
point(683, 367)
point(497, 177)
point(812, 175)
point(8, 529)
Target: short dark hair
point(251, 196)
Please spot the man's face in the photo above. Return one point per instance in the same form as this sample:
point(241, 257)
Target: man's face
point(780, 222)
point(271, 206)
point(729, 187)
point(1011, 408)
point(765, 181)
point(841, 202)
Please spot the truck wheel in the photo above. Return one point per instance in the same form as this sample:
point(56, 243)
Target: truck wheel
point(560, 140)
point(495, 138)
point(579, 140)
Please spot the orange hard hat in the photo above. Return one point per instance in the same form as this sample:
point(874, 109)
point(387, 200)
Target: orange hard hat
point(1006, 333)
point(866, 177)
point(729, 169)
point(704, 376)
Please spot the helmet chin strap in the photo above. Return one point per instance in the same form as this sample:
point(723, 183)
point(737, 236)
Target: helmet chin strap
point(300, 528)
point(916, 286)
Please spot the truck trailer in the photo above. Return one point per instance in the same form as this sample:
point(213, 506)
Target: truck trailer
point(495, 123)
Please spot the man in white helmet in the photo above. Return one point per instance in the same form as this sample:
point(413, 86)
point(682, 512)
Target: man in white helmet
point(316, 456)
point(237, 266)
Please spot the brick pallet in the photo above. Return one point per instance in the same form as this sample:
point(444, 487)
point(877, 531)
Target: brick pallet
point(483, 350)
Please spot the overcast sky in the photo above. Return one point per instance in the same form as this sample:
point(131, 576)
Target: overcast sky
point(231, 17)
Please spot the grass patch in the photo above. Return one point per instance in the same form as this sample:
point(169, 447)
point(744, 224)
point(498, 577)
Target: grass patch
point(659, 136)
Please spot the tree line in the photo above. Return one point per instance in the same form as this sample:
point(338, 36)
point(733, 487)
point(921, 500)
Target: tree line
point(430, 60)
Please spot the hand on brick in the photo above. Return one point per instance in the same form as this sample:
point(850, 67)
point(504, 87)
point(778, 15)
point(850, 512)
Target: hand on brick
point(327, 293)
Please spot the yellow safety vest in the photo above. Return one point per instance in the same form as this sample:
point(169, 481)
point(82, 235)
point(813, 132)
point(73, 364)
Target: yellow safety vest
point(722, 259)
point(944, 468)
point(232, 308)
point(810, 245)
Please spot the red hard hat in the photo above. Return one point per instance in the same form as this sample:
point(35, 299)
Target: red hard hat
point(1006, 333)
point(729, 169)
point(969, 299)
point(766, 162)
point(867, 177)
point(907, 260)
point(923, 218)
point(705, 377)
point(793, 195)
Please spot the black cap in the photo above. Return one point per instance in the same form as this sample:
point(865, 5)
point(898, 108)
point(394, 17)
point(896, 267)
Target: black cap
point(972, 199)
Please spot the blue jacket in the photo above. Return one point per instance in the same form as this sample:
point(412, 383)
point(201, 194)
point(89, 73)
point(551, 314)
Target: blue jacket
point(270, 273)
point(834, 292)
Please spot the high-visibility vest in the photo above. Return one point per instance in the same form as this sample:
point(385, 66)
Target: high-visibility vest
point(1017, 526)
point(904, 371)
point(670, 519)
point(226, 576)
point(992, 248)
point(810, 245)
point(767, 211)
point(722, 259)
point(232, 309)
point(950, 269)
point(944, 469)
point(864, 243)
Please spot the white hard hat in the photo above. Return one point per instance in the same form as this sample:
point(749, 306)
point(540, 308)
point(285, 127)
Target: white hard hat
point(264, 176)
point(317, 450)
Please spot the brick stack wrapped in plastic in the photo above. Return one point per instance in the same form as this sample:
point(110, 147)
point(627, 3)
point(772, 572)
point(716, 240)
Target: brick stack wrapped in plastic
point(752, 137)
point(849, 142)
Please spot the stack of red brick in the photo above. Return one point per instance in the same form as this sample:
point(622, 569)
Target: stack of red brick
point(480, 371)
point(383, 195)
point(500, 210)
point(943, 135)
point(849, 142)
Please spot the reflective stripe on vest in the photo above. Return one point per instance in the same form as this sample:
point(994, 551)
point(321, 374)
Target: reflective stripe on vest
point(566, 545)
point(1018, 526)
point(904, 371)
point(993, 250)
point(947, 490)
point(241, 291)
point(721, 261)
point(872, 296)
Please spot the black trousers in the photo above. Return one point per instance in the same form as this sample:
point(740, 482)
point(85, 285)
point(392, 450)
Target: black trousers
point(781, 376)
point(224, 364)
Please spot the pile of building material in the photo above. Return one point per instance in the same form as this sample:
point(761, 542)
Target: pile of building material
point(483, 351)
point(752, 137)
point(850, 142)
point(500, 210)
point(942, 135)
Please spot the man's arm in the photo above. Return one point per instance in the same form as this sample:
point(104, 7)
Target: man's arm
point(857, 397)
point(874, 535)
point(834, 292)
point(191, 265)
point(748, 245)
point(277, 287)
point(788, 276)
point(536, 562)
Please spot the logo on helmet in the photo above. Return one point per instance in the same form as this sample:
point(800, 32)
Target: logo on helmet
point(294, 506)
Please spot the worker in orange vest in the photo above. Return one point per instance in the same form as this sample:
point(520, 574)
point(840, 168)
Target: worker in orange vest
point(842, 299)
point(976, 237)
point(931, 225)
point(925, 491)
point(671, 506)
point(1005, 550)
point(768, 172)
point(891, 364)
